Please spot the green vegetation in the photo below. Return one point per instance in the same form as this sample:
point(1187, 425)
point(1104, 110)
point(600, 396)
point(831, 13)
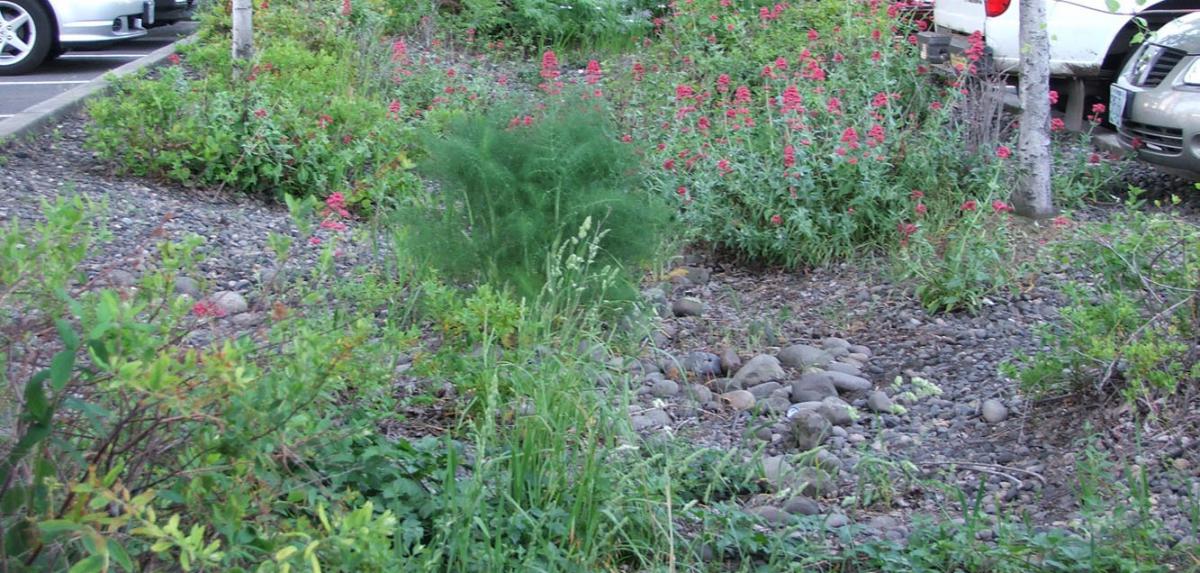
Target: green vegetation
point(508, 191)
point(1131, 327)
point(137, 434)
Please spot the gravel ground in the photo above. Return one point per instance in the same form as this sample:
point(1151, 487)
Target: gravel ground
point(139, 213)
point(978, 431)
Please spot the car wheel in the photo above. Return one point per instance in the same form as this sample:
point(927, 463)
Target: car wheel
point(25, 36)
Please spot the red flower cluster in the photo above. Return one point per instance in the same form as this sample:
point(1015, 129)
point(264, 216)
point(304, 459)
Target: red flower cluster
point(593, 72)
point(207, 309)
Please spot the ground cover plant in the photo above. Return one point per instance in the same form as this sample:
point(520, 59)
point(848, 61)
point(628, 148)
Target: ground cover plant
point(449, 367)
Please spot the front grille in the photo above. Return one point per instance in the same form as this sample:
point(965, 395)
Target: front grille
point(1161, 140)
point(1165, 60)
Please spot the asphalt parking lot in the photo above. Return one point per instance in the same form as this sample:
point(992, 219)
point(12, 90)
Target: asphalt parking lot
point(76, 68)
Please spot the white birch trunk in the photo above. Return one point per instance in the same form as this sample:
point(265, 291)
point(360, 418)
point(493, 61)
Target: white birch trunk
point(1033, 197)
point(243, 32)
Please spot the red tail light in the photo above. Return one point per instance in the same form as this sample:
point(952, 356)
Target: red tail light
point(996, 7)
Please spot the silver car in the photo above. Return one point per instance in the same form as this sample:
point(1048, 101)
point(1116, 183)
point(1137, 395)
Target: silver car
point(33, 30)
point(1155, 103)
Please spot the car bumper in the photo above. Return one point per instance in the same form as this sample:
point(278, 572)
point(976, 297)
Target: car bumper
point(1162, 125)
point(105, 24)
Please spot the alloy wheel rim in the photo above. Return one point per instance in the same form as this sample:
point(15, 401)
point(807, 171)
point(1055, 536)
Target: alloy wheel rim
point(17, 33)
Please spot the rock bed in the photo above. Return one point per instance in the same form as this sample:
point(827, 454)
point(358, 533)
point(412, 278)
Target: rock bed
point(839, 357)
point(843, 359)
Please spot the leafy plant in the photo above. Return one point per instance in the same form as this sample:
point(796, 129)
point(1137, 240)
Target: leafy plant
point(512, 192)
point(1131, 327)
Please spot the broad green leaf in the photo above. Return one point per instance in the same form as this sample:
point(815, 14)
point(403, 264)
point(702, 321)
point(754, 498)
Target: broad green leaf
point(36, 404)
point(55, 527)
point(120, 556)
point(61, 367)
point(1113, 5)
point(67, 334)
point(93, 564)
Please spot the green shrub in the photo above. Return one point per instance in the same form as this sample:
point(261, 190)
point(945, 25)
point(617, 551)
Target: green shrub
point(311, 116)
point(1131, 327)
point(511, 193)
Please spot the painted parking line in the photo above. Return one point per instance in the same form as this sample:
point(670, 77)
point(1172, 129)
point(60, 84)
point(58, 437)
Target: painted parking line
point(85, 56)
point(47, 82)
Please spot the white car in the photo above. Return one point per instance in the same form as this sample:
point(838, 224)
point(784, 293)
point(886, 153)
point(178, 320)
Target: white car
point(33, 30)
point(1089, 41)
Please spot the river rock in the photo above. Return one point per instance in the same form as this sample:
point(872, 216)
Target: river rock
point(230, 302)
point(761, 368)
point(702, 363)
point(739, 400)
point(809, 429)
point(879, 402)
point(803, 355)
point(994, 411)
point(812, 388)
point(687, 306)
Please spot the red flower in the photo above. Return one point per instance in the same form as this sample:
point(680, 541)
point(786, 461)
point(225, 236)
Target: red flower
point(681, 190)
point(921, 209)
point(593, 71)
point(968, 205)
point(260, 113)
point(550, 66)
point(834, 105)
point(1098, 108)
point(669, 164)
point(789, 156)
point(723, 83)
point(850, 137)
point(345, 7)
point(639, 71)
point(776, 220)
point(205, 309)
point(1094, 158)
point(399, 50)
point(683, 91)
point(1001, 207)
point(1003, 152)
point(792, 98)
point(333, 225)
point(336, 203)
point(813, 35)
point(1053, 97)
point(1060, 222)
point(916, 194)
point(1057, 124)
point(174, 59)
point(741, 95)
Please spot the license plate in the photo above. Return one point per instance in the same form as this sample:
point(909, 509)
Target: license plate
point(1116, 105)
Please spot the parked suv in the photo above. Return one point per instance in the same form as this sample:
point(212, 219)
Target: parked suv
point(33, 30)
point(1155, 102)
point(1089, 39)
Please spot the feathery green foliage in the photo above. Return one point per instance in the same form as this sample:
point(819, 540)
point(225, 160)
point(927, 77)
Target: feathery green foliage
point(510, 192)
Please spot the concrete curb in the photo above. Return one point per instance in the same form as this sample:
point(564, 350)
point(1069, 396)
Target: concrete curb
point(40, 115)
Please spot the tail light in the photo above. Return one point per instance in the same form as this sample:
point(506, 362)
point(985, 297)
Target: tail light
point(996, 7)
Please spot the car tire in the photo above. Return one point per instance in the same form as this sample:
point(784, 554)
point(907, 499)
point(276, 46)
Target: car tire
point(26, 36)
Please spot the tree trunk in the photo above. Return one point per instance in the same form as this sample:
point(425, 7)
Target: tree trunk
point(1033, 197)
point(243, 33)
